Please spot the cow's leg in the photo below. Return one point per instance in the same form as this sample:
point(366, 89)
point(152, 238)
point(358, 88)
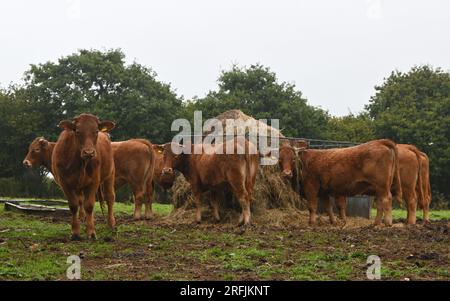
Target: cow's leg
point(311, 197)
point(426, 212)
point(241, 194)
point(149, 199)
point(198, 205)
point(110, 198)
point(387, 209)
point(215, 204)
point(411, 202)
point(329, 209)
point(341, 203)
point(138, 191)
point(81, 213)
point(379, 215)
point(88, 203)
point(246, 213)
point(73, 200)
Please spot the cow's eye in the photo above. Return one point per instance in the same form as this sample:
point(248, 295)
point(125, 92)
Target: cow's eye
point(37, 150)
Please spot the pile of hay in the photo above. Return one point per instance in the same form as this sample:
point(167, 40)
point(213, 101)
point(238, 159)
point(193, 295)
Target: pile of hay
point(270, 190)
point(239, 115)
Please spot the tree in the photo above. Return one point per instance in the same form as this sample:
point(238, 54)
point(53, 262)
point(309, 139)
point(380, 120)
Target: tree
point(256, 91)
point(101, 83)
point(17, 119)
point(355, 128)
point(414, 107)
point(88, 81)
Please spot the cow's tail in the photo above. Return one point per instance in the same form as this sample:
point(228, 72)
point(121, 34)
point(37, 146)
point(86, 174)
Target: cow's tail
point(396, 187)
point(426, 189)
point(419, 184)
point(251, 168)
point(428, 179)
point(152, 156)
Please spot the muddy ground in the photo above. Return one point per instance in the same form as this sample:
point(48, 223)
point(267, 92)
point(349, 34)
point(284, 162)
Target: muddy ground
point(278, 246)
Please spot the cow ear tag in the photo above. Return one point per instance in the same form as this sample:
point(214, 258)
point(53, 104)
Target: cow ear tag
point(160, 151)
point(104, 129)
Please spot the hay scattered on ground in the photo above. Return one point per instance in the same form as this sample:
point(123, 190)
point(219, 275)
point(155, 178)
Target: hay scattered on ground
point(279, 218)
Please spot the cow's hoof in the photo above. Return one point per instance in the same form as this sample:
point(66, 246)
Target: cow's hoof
point(108, 239)
point(75, 237)
point(92, 237)
point(242, 229)
point(377, 226)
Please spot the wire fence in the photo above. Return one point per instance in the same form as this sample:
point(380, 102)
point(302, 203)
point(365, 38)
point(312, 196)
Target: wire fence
point(312, 143)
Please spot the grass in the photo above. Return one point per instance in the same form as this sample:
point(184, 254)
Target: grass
point(27, 249)
point(33, 248)
point(435, 215)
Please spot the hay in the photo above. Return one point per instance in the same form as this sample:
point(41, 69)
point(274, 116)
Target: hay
point(239, 115)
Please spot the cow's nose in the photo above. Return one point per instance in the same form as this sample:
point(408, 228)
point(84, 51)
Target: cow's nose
point(88, 153)
point(287, 173)
point(167, 170)
point(26, 163)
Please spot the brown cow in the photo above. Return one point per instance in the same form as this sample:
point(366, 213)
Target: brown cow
point(411, 177)
point(134, 160)
point(215, 172)
point(82, 160)
point(163, 180)
point(372, 166)
point(39, 154)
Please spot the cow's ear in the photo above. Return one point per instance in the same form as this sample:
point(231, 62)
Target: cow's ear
point(159, 148)
point(43, 143)
point(106, 126)
point(67, 125)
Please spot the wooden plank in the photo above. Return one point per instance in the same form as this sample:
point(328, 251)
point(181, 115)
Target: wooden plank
point(37, 209)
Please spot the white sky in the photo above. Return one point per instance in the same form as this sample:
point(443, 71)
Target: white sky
point(334, 51)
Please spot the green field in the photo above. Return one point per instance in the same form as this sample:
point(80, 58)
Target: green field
point(38, 247)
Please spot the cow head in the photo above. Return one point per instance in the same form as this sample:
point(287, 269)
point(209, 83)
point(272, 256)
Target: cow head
point(38, 151)
point(166, 180)
point(86, 128)
point(172, 157)
point(286, 160)
point(290, 162)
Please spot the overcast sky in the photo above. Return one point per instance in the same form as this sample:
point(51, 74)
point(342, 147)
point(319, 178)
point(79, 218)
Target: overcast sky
point(333, 51)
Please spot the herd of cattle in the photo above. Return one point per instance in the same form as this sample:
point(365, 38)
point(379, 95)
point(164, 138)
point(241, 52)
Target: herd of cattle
point(87, 165)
